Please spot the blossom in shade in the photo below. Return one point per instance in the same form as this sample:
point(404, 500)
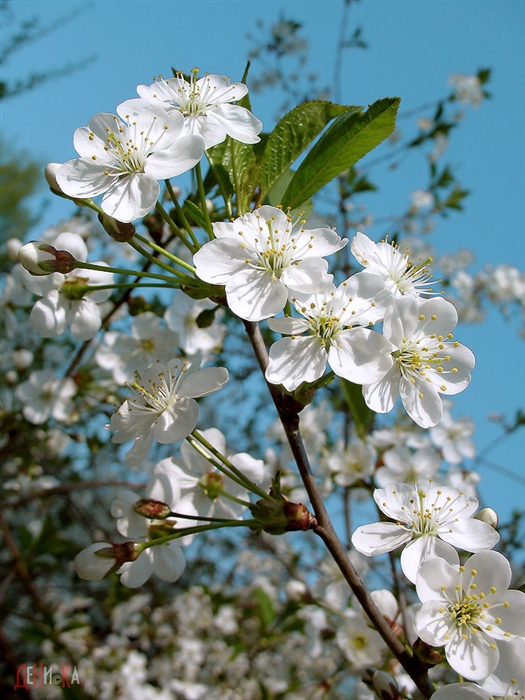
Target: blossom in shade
point(203, 486)
point(453, 436)
point(125, 353)
point(402, 465)
point(261, 257)
point(331, 322)
point(431, 522)
point(166, 560)
point(461, 691)
point(427, 362)
point(468, 609)
point(45, 396)
point(361, 644)
point(401, 276)
point(206, 106)
point(163, 406)
point(123, 158)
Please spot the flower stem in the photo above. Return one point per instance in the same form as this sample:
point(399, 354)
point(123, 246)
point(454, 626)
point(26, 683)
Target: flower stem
point(174, 228)
point(163, 251)
point(202, 196)
point(121, 271)
point(233, 473)
point(182, 215)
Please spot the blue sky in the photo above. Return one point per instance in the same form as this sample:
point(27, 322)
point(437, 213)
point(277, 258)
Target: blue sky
point(413, 48)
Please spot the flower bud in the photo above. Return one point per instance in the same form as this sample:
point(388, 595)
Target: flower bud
point(278, 517)
point(487, 515)
point(102, 558)
point(428, 655)
point(118, 230)
point(12, 246)
point(385, 686)
point(42, 259)
point(154, 510)
point(50, 174)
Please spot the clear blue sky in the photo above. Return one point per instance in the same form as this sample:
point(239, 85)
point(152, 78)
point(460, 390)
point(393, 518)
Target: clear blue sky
point(413, 48)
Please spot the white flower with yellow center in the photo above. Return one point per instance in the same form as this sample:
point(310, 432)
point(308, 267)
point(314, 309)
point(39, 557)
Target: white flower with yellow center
point(206, 106)
point(468, 609)
point(431, 522)
point(427, 361)
point(163, 406)
point(331, 321)
point(401, 276)
point(262, 256)
point(123, 158)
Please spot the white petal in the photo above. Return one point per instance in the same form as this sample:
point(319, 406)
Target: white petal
point(86, 320)
point(180, 157)
point(253, 295)
point(469, 534)
point(203, 382)
point(296, 360)
point(382, 395)
point(473, 658)
point(177, 422)
point(378, 538)
point(422, 549)
point(168, 561)
point(131, 197)
point(360, 355)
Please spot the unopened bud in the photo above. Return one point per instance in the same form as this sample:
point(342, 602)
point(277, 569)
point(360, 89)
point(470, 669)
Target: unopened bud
point(43, 259)
point(50, 174)
point(428, 655)
point(278, 517)
point(118, 230)
point(154, 510)
point(102, 558)
point(489, 516)
point(385, 686)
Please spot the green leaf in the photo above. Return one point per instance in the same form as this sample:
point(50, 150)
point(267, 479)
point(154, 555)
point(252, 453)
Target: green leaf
point(195, 214)
point(362, 416)
point(293, 133)
point(351, 136)
point(234, 165)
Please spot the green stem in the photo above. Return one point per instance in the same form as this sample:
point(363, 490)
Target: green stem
point(197, 529)
point(182, 215)
point(236, 475)
point(125, 285)
point(202, 196)
point(174, 228)
point(121, 271)
point(163, 251)
point(155, 260)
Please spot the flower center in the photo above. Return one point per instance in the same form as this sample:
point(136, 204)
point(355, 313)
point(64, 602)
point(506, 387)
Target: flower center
point(160, 392)
point(466, 613)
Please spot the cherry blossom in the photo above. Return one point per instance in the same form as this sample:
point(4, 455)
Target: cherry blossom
point(427, 362)
point(124, 157)
point(44, 396)
point(395, 267)
point(163, 406)
point(206, 106)
point(262, 256)
point(431, 522)
point(467, 609)
point(355, 353)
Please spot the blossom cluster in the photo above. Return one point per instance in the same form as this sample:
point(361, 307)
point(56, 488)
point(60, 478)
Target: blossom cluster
point(383, 328)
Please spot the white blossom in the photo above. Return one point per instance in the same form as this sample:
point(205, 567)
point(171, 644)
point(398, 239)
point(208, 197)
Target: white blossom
point(332, 320)
point(467, 609)
point(261, 257)
point(430, 522)
point(45, 396)
point(123, 159)
point(427, 361)
point(163, 406)
point(206, 106)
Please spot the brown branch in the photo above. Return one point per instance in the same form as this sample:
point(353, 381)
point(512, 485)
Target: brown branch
point(288, 411)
